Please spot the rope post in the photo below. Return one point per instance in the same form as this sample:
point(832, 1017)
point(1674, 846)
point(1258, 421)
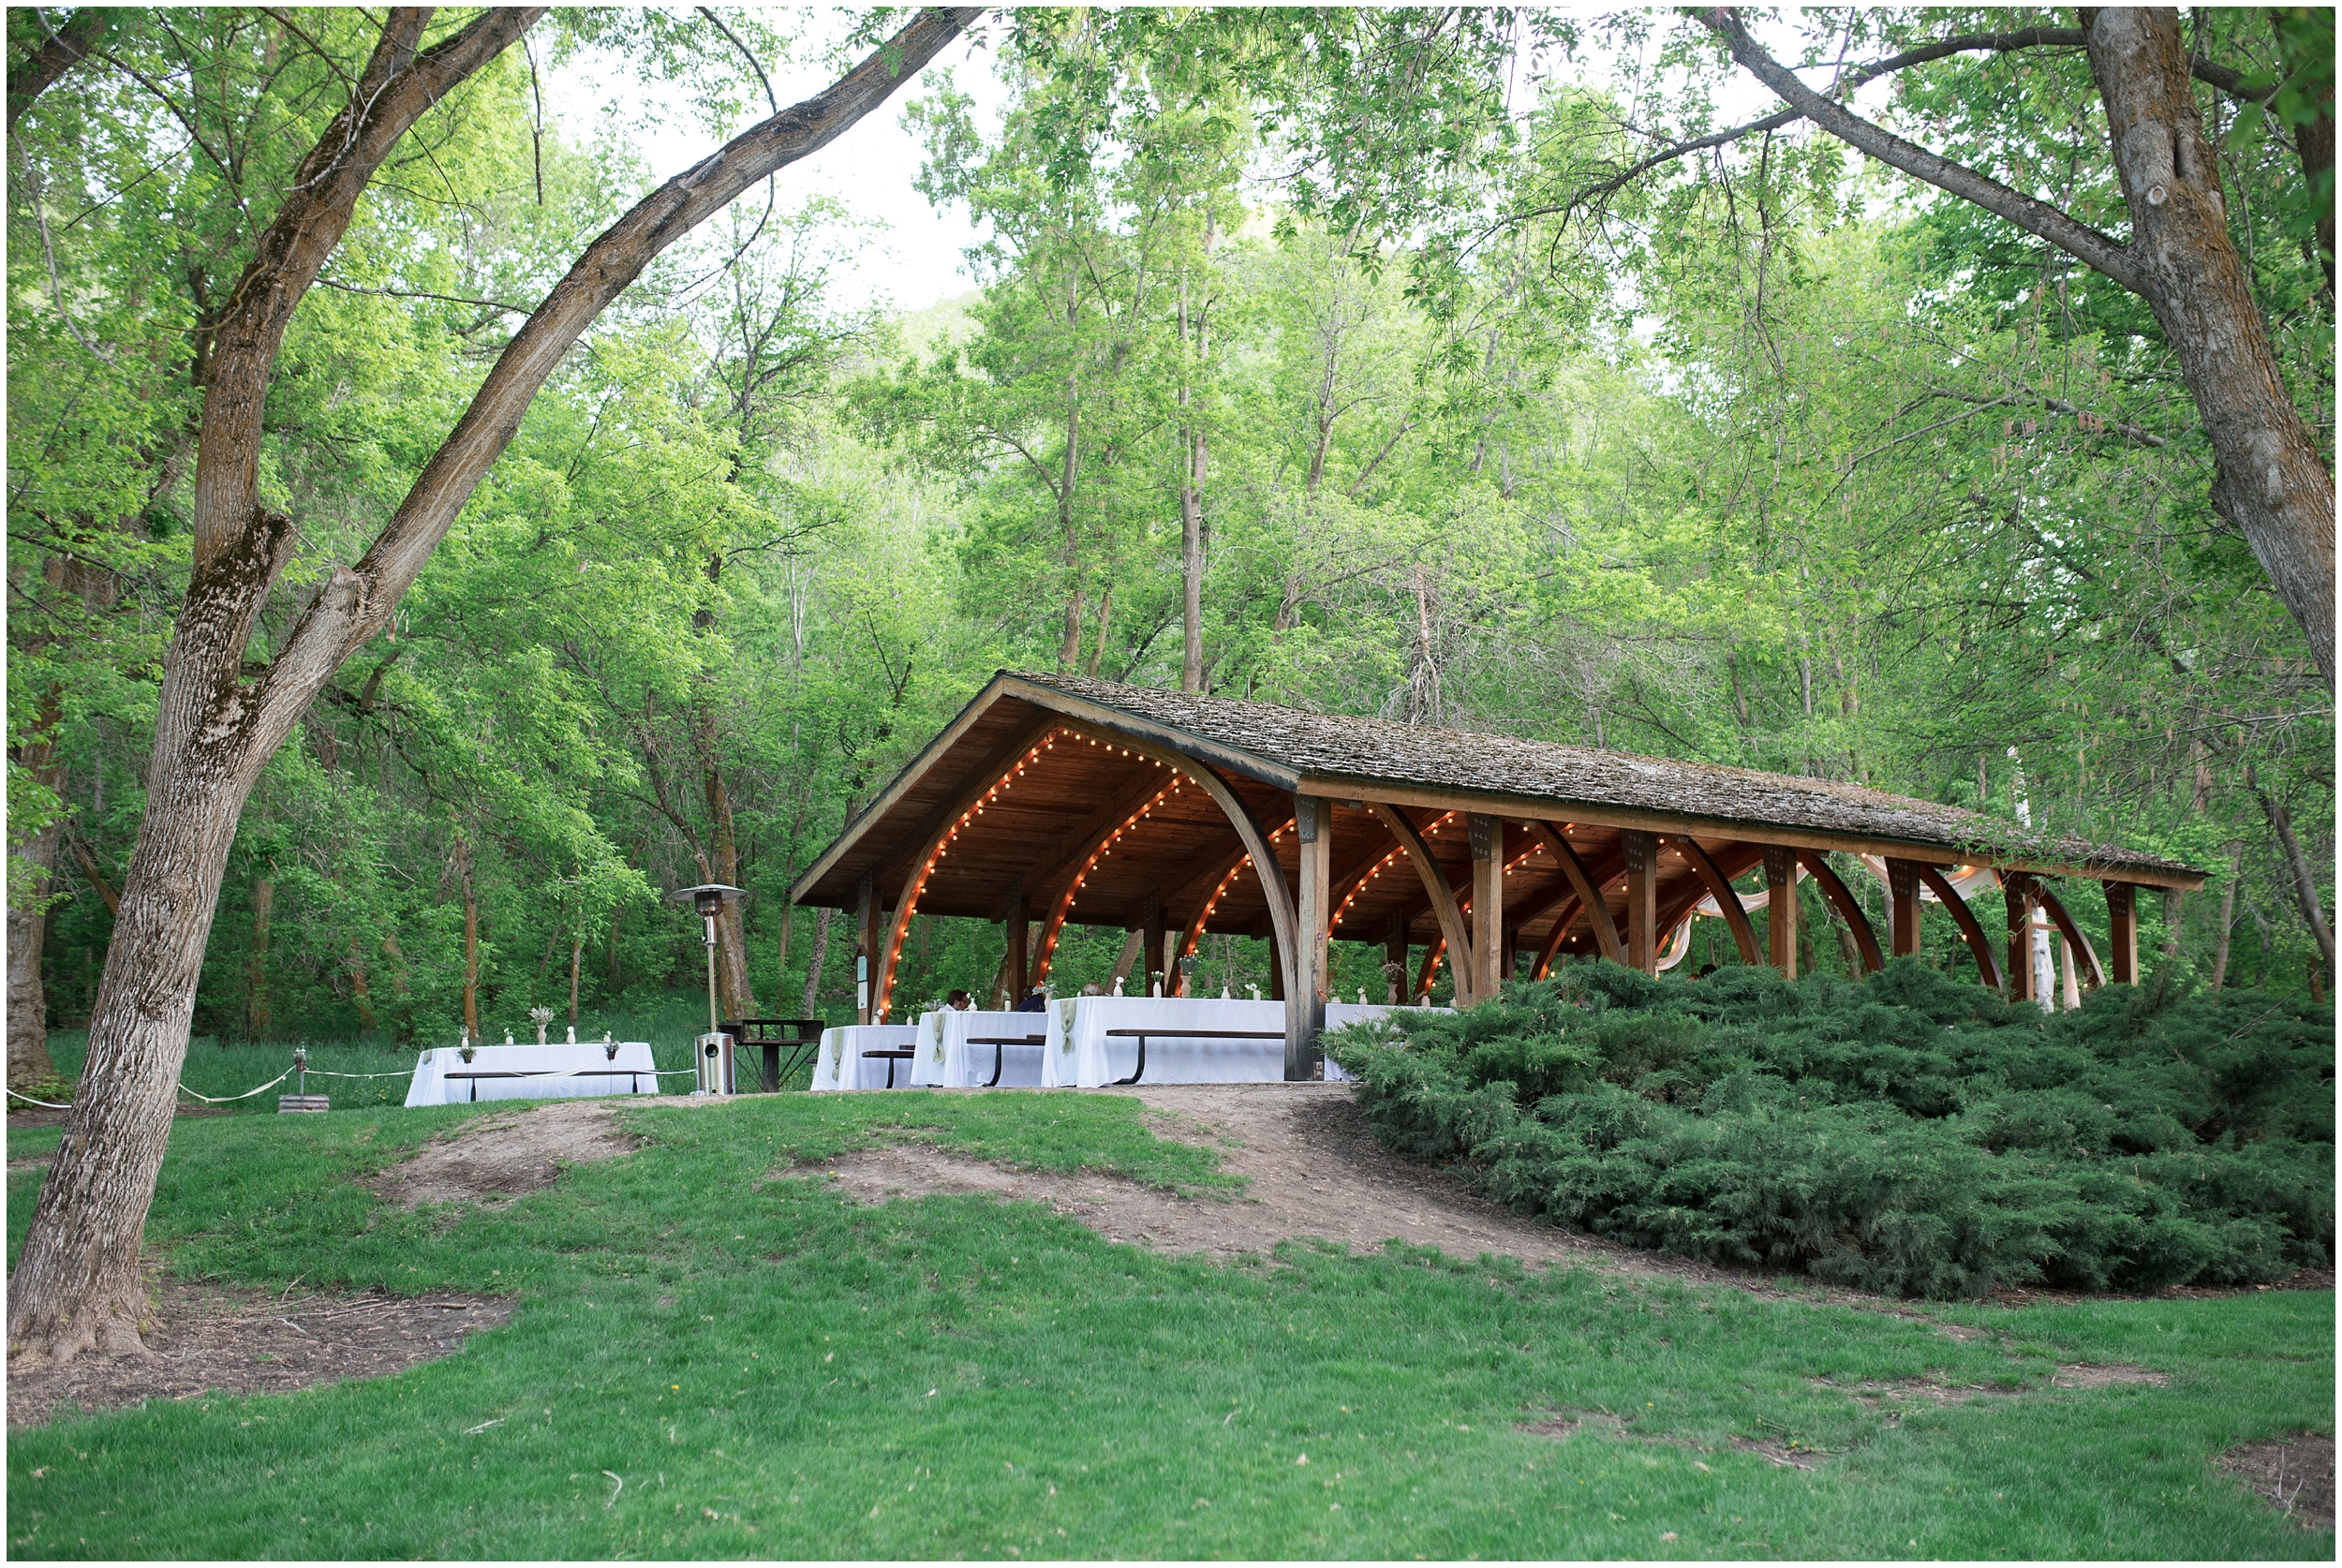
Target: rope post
point(300, 1101)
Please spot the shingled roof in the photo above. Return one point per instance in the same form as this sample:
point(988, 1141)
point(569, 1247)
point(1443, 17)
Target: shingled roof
point(1284, 746)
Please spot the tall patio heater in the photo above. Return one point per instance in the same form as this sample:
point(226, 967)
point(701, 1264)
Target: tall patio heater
point(712, 1052)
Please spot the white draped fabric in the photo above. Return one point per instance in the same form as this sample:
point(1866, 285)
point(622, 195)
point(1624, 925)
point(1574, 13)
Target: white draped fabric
point(1088, 1047)
point(580, 1072)
point(841, 1064)
point(948, 1059)
point(1341, 1013)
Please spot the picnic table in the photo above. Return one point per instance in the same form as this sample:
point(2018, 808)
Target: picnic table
point(1096, 1040)
point(553, 1072)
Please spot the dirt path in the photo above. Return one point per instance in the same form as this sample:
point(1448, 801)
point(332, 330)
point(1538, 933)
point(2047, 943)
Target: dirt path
point(1312, 1168)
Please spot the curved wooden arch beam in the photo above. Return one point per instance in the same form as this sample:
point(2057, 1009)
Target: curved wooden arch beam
point(1728, 901)
point(1210, 887)
point(2072, 933)
point(1605, 933)
point(1555, 937)
point(1971, 929)
point(1834, 889)
point(943, 827)
point(1442, 899)
point(1248, 828)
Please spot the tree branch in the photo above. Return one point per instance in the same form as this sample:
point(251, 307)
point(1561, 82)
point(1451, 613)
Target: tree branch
point(2094, 250)
point(63, 49)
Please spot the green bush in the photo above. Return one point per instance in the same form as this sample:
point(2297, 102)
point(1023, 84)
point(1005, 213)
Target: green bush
point(1911, 1135)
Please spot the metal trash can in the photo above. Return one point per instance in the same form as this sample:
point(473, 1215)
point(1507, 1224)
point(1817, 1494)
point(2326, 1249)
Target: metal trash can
point(712, 1054)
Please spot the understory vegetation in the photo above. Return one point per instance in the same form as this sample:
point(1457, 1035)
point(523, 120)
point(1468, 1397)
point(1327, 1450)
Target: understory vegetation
point(1913, 1134)
point(715, 1353)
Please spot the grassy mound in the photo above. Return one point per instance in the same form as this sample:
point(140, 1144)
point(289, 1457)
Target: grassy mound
point(1913, 1134)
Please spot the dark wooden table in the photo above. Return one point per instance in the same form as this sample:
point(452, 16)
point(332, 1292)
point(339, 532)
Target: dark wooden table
point(1140, 1035)
point(801, 1041)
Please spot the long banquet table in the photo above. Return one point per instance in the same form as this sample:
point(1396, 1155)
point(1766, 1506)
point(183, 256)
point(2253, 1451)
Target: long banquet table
point(553, 1072)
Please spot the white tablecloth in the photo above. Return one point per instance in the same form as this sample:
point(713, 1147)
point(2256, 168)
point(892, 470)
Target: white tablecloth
point(947, 1061)
point(433, 1082)
point(1341, 1013)
point(1079, 1053)
point(843, 1066)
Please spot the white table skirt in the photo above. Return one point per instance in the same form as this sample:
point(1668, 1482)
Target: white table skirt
point(1341, 1013)
point(435, 1082)
point(843, 1066)
point(1080, 1054)
point(947, 1061)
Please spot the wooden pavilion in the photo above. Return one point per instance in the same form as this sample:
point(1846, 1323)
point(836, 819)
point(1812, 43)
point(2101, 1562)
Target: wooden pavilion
point(1052, 798)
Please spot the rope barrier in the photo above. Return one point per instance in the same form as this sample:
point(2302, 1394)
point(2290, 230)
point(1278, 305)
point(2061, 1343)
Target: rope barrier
point(44, 1104)
point(230, 1098)
point(402, 1073)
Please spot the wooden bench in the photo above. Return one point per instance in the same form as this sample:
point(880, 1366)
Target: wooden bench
point(999, 1043)
point(1140, 1035)
point(635, 1074)
point(900, 1054)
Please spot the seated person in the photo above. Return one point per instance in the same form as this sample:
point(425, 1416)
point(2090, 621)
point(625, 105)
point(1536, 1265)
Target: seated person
point(1093, 989)
point(959, 1001)
point(1036, 1001)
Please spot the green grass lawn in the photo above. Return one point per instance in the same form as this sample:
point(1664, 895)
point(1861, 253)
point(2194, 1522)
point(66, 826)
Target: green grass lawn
point(774, 1372)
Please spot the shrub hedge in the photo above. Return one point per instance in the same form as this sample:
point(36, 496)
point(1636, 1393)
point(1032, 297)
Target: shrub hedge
point(1912, 1134)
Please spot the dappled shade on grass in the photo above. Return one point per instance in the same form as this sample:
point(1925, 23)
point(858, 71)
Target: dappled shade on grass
point(1912, 1134)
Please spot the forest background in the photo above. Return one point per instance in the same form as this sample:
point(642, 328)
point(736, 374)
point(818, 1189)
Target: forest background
point(1761, 455)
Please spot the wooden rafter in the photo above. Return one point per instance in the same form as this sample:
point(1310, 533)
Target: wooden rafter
point(1728, 902)
point(1834, 889)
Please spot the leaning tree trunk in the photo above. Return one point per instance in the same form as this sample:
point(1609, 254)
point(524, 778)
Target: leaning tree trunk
point(2271, 482)
point(77, 1282)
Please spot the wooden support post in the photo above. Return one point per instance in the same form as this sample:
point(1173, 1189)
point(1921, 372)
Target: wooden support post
point(866, 950)
point(2122, 919)
point(2020, 899)
point(1902, 907)
point(1487, 905)
point(1781, 910)
point(1395, 952)
point(1152, 961)
point(1276, 967)
point(1305, 1003)
point(1642, 899)
point(1019, 954)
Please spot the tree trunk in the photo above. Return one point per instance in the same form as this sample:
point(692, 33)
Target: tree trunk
point(77, 1282)
point(577, 955)
point(2174, 904)
point(814, 961)
point(1196, 455)
point(2306, 896)
point(471, 942)
point(360, 996)
point(256, 1021)
point(2271, 482)
point(2228, 912)
point(35, 859)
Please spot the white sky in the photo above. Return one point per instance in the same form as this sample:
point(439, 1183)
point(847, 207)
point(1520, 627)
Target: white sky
point(917, 258)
